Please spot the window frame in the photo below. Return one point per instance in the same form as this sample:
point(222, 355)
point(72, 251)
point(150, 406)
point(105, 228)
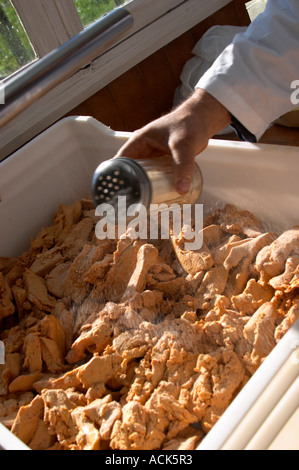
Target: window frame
point(55, 21)
point(48, 23)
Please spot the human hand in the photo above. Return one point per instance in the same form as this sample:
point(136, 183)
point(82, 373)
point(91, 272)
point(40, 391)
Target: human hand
point(183, 134)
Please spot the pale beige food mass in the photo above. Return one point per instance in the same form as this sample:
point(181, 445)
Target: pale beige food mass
point(138, 344)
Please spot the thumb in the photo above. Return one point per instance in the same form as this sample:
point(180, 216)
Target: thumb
point(183, 167)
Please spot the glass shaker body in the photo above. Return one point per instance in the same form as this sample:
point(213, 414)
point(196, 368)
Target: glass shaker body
point(144, 181)
point(160, 174)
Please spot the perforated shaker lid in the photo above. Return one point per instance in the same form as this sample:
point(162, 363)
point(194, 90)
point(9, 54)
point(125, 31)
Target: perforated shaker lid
point(121, 177)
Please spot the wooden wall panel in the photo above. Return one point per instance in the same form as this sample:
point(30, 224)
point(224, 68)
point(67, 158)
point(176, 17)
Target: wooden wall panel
point(158, 77)
point(178, 52)
point(132, 98)
point(103, 107)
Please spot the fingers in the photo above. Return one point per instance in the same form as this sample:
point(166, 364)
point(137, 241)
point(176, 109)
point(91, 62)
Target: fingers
point(154, 141)
point(183, 166)
point(149, 142)
point(134, 148)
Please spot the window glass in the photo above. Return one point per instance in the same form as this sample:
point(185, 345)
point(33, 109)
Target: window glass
point(91, 10)
point(15, 48)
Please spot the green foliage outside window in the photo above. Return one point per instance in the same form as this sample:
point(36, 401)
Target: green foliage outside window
point(91, 10)
point(15, 47)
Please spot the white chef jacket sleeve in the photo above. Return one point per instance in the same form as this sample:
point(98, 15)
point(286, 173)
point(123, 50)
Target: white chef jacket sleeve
point(252, 78)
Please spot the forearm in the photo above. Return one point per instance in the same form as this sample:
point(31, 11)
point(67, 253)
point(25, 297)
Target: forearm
point(206, 112)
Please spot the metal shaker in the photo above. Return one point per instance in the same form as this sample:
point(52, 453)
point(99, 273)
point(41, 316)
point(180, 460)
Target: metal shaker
point(147, 181)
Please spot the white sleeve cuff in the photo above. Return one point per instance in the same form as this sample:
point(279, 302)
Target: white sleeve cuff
point(234, 103)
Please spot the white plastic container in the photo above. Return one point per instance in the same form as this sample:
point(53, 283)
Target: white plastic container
point(57, 167)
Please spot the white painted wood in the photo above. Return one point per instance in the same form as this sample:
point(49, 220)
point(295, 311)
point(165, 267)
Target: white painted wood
point(48, 23)
point(69, 16)
point(9, 441)
point(146, 11)
point(107, 67)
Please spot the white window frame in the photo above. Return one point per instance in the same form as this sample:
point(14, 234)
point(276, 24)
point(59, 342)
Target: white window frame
point(49, 23)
